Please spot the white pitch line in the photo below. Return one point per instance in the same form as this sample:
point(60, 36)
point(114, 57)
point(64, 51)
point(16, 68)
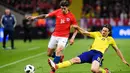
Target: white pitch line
point(33, 48)
point(22, 60)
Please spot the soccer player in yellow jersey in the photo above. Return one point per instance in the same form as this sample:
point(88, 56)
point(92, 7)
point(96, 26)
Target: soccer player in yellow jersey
point(95, 54)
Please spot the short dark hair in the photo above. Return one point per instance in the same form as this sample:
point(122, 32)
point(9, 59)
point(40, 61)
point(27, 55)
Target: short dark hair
point(109, 27)
point(64, 3)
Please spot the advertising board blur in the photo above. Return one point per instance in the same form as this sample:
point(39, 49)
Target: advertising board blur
point(121, 32)
point(2, 35)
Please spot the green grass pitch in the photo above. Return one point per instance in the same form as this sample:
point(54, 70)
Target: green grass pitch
point(14, 61)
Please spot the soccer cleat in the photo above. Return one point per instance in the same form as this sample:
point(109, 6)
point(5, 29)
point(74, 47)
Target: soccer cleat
point(107, 70)
point(62, 58)
point(52, 65)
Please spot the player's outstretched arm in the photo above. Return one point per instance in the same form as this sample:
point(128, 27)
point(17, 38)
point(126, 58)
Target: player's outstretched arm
point(42, 16)
point(84, 32)
point(35, 17)
point(120, 55)
point(73, 37)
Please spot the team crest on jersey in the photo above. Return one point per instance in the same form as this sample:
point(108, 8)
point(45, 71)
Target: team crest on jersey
point(67, 19)
point(108, 39)
point(5, 18)
point(103, 39)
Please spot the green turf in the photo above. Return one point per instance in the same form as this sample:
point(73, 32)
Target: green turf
point(25, 50)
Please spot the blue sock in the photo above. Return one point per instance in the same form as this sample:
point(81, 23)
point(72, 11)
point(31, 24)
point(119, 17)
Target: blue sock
point(53, 55)
point(57, 59)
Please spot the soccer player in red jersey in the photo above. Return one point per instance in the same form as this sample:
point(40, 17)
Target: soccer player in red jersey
point(64, 20)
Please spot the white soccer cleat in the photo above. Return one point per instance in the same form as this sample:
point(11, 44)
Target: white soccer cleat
point(52, 64)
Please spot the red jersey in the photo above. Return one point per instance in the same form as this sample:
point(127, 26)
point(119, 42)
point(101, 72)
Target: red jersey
point(63, 22)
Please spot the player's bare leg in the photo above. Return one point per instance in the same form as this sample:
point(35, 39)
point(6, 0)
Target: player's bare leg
point(50, 52)
point(95, 68)
point(57, 58)
point(75, 60)
point(95, 65)
point(59, 53)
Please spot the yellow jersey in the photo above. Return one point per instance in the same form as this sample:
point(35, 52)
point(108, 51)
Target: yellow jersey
point(101, 43)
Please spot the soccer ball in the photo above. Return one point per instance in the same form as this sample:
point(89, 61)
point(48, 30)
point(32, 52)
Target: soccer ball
point(29, 69)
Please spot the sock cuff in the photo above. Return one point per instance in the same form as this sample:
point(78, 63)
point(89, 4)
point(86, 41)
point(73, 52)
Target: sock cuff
point(53, 55)
point(57, 59)
point(71, 62)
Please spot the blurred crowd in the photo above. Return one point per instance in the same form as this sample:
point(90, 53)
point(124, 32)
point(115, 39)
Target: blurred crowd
point(30, 6)
point(106, 8)
point(96, 13)
point(90, 9)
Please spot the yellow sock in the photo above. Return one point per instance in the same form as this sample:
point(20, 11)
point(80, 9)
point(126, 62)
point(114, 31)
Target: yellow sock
point(64, 64)
point(102, 70)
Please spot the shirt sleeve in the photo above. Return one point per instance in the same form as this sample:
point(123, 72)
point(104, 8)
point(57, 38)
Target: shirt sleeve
point(93, 34)
point(73, 20)
point(15, 21)
point(113, 43)
point(53, 13)
point(2, 21)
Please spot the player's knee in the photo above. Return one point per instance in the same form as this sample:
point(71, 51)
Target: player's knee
point(59, 50)
point(93, 70)
point(75, 60)
point(60, 47)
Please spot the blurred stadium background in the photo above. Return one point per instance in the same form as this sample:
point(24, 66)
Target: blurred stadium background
point(90, 14)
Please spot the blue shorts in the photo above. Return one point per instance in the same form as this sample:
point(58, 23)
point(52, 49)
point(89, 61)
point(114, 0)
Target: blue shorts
point(90, 56)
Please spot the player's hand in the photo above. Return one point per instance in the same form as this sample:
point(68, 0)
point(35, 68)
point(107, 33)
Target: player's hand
point(126, 63)
point(71, 41)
